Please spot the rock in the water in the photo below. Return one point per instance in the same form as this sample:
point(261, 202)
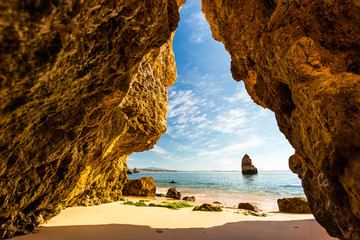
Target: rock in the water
point(135, 170)
point(247, 206)
point(208, 208)
point(173, 193)
point(294, 205)
point(144, 186)
point(189, 199)
point(172, 182)
point(247, 167)
point(129, 171)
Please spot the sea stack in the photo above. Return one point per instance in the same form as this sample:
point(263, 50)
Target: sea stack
point(247, 167)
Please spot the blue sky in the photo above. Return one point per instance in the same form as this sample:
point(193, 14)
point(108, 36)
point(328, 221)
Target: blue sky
point(212, 121)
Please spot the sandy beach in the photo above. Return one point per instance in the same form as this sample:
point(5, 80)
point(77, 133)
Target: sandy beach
point(117, 221)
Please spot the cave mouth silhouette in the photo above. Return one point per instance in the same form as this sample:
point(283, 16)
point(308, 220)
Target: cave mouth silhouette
point(206, 102)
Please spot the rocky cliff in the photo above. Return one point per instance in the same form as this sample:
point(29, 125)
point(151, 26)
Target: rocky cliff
point(83, 85)
point(301, 60)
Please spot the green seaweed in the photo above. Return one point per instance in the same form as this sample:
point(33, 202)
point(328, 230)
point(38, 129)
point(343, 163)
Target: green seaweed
point(138, 204)
point(172, 205)
point(160, 195)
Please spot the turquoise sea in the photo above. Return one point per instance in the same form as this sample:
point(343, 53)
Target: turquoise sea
point(230, 188)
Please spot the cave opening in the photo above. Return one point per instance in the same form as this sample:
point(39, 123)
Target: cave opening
point(70, 120)
point(212, 123)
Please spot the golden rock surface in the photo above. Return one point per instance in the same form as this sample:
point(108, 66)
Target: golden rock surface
point(301, 60)
point(83, 85)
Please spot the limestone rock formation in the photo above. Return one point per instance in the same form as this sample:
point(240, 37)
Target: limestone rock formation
point(189, 199)
point(173, 193)
point(144, 186)
point(83, 85)
point(247, 167)
point(294, 205)
point(208, 208)
point(301, 60)
point(135, 170)
point(247, 206)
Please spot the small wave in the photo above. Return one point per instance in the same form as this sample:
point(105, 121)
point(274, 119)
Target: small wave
point(292, 186)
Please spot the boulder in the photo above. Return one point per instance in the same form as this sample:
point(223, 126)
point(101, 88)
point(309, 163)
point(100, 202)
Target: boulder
point(208, 208)
point(140, 187)
point(247, 206)
point(294, 205)
point(189, 199)
point(136, 170)
point(173, 193)
point(129, 171)
point(247, 167)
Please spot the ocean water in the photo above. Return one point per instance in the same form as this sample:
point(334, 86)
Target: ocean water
point(230, 188)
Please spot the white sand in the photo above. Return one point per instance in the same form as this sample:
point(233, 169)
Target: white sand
point(116, 221)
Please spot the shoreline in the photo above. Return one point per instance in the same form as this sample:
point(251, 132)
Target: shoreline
point(264, 202)
point(262, 190)
point(116, 221)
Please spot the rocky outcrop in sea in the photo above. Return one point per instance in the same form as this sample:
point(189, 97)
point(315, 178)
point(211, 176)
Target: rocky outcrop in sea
point(247, 167)
point(173, 193)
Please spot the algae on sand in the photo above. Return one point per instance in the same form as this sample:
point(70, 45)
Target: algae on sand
point(137, 204)
point(172, 205)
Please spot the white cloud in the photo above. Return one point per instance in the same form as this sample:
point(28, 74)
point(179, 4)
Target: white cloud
point(239, 96)
point(191, 116)
point(236, 148)
point(183, 103)
point(199, 26)
point(184, 113)
point(159, 150)
point(231, 121)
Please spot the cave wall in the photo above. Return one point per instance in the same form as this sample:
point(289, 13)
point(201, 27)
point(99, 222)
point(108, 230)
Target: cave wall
point(83, 85)
point(301, 60)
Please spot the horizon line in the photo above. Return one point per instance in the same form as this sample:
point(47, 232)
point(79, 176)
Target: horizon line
point(163, 169)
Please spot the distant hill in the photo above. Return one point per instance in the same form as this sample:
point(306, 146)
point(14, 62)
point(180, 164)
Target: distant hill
point(155, 169)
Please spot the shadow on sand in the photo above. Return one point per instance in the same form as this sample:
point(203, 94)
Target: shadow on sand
point(244, 230)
